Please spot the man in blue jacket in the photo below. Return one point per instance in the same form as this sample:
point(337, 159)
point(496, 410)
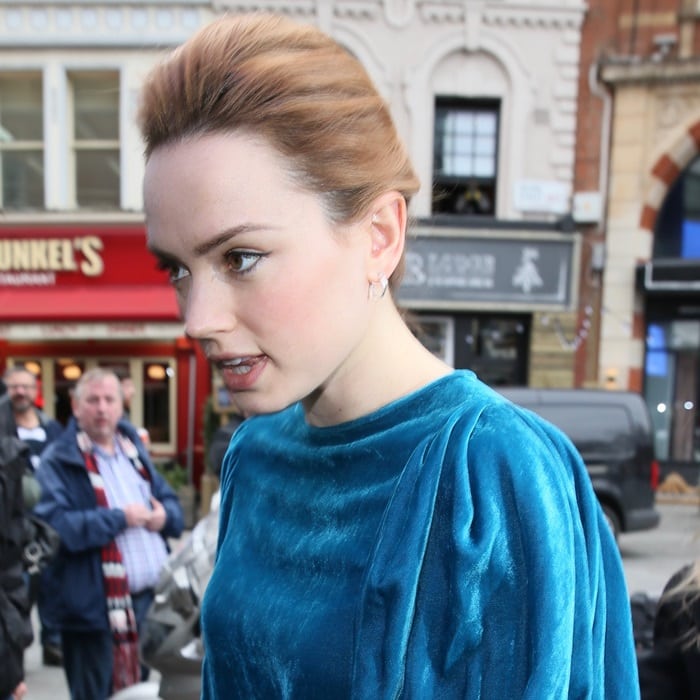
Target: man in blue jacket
point(113, 511)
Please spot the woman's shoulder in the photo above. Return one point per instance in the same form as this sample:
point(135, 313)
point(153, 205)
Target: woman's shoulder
point(494, 417)
point(503, 445)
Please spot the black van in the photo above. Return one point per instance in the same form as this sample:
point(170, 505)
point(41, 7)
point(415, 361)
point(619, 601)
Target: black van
point(612, 431)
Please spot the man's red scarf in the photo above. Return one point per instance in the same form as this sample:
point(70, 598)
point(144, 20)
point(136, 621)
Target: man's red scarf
point(126, 669)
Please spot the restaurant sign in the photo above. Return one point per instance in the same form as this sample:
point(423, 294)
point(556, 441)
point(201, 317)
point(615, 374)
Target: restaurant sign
point(65, 256)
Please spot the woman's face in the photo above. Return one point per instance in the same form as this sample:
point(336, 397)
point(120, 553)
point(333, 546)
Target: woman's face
point(276, 295)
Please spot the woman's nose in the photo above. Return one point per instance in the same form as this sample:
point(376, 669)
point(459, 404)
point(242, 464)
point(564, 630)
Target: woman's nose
point(206, 310)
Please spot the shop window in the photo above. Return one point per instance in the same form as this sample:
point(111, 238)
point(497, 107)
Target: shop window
point(66, 372)
point(465, 151)
point(437, 334)
point(21, 141)
point(677, 229)
point(152, 406)
point(495, 347)
point(157, 379)
point(672, 388)
point(95, 101)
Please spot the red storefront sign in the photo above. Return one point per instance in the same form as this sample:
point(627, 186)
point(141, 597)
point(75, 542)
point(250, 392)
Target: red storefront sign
point(81, 272)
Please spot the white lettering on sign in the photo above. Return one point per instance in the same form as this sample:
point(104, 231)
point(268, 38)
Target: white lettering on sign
point(27, 279)
point(470, 271)
point(36, 255)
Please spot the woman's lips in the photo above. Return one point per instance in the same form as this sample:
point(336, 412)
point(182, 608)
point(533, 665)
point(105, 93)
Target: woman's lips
point(241, 373)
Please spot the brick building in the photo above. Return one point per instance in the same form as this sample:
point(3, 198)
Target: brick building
point(638, 140)
point(484, 94)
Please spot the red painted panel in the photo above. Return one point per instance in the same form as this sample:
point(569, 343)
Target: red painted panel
point(153, 303)
point(65, 256)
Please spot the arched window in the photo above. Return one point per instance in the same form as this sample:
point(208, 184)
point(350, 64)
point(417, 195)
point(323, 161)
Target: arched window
point(672, 367)
point(677, 229)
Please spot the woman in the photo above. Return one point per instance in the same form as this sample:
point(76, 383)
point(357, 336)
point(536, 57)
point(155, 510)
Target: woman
point(389, 527)
point(671, 668)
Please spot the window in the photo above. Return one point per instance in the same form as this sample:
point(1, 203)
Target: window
point(21, 141)
point(677, 229)
point(672, 384)
point(436, 333)
point(493, 346)
point(153, 405)
point(157, 382)
point(95, 99)
point(465, 156)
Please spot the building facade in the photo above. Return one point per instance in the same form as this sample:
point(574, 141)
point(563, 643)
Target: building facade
point(641, 100)
point(77, 287)
point(484, 93)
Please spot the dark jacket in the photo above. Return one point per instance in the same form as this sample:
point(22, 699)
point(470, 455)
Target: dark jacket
point(8, 426)
point(15, 623)
point(68, 504)
point(671, 670)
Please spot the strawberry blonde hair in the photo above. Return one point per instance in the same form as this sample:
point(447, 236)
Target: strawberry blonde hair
point(295, 87)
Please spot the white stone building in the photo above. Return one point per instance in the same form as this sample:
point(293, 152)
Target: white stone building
point(483, 92)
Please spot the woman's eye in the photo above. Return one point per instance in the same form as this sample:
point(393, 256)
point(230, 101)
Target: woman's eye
point(241, 261)
point(176, 272)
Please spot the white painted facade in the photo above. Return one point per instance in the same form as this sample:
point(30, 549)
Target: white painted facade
point(525, 53)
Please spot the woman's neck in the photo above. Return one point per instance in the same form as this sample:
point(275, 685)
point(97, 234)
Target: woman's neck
point(390, 364)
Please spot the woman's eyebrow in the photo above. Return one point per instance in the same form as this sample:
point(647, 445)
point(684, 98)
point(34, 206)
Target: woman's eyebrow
point(224, 236)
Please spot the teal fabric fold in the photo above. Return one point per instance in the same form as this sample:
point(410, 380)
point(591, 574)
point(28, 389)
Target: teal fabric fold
point(448, 545)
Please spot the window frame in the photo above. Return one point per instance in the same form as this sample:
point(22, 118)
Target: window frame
point(47, 373)
point(78, 146)
point(26, 146)
point(455, 188)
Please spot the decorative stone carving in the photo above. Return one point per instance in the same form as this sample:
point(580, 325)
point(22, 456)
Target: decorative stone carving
point(357, 9)
point(399, 13)
point(299, 8)
point(107, 23)
point(674, 109)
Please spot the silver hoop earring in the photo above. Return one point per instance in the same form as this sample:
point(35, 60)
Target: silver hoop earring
point(377, 289)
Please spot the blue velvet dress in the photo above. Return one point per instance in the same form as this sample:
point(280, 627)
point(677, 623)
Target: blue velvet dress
point(448, 545)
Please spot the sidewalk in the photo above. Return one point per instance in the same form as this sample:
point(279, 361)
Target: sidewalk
point(47, 682)
point(43, 682)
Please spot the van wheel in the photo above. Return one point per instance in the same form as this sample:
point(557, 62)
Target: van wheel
point(612, 520)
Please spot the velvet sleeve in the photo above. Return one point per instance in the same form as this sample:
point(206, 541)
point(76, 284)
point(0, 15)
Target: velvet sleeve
point(495, 573)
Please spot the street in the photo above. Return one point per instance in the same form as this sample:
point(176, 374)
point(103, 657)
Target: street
point(649, 559)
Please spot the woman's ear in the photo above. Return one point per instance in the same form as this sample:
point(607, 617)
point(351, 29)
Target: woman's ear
point(388, 219)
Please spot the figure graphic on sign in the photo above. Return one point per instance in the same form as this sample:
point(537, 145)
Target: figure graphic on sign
point(526, 274)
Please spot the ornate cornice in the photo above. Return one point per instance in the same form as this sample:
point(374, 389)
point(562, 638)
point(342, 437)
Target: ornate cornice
point(536, 14)
point(129, 23)
point(107, 24)
point(298, 8)
point(617, 72)
point(401, 13)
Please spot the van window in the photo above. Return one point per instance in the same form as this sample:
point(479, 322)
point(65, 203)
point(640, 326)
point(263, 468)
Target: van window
point(598, 431)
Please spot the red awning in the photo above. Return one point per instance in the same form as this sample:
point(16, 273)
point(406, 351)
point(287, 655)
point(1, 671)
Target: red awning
point(144, 303)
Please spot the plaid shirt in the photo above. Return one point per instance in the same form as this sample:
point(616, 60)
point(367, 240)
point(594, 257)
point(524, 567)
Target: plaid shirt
point(143, 552)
